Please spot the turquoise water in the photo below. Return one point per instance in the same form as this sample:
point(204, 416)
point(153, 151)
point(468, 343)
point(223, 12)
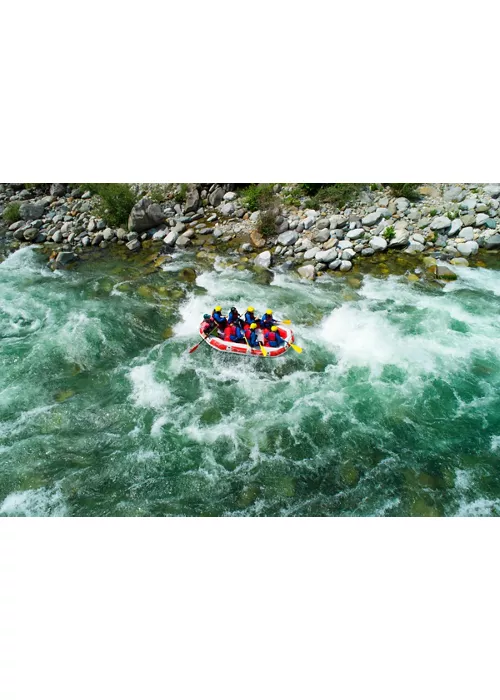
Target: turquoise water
point(392, 409)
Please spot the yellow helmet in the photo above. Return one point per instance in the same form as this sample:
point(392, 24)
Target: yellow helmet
point(269, 312)
point(274, 328)
point(218, 308)
point(250, 308)
point(253, 325)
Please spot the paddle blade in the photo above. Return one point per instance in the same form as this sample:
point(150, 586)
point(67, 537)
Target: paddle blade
point(286, 320)
point(264, 351)
point(195, 347)
point(297, 348)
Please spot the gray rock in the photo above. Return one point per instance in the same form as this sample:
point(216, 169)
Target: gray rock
point(344, 245)
point(86, 241)
point(456, 225)
point(402, 204)
point(254, 216)
point(481, 219)
point(288, 238)
point(57, 189)
point(132, 245)
point(65, 257)
point(263, 259)
point(183, 241)
point(335, 264)
point(31, 210)
point(193, 200)
point(304, 244)
point(300, 227)
point(171, 238)
point(30, 233)
point(366, 252)
point(99, 239)
point(348, 254)
point(311, 253)
point(338, 221)
point(355, 233)
point(481, 207)
point(121, 234)
point(108, 234)
point(307, 272)
point(493, 190)
point(57, 237)
point(468, 219)
point(445, 272)
point(308, 222)
point(454, 194)
point(322, 223)
point(326, 256)
point(415, 248)
point(468, 204)
point(16, 225)
point(468, 248)
point(371, 219)
point(246, 248)
point(399, 239)
point(378, 243)
point(461, 262)
point(145, 215)
point(417, 237)
point(493, 242)
point(321, 236)
point(216, 197)
point(345, 266)
point(467, 233)
point(281, 228)
point(230, 196)
point(227, 209)
point(440, 223)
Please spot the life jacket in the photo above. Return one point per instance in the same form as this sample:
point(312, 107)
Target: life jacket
point(207, 326)
point(268, 321)
point(248, 332)
point(233, 317)
point(228, 331)
point(236, 335)
point(249, 317)
point(270, 339)
point(219, 318)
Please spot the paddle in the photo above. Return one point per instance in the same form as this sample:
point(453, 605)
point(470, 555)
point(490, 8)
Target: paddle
point(286, 320)
point(264, 351)
point(195, 347)
point(297, 348)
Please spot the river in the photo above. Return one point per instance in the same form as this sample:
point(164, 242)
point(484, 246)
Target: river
point(393, 408)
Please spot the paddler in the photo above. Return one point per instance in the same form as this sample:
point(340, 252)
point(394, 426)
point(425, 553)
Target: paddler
point(267, 319)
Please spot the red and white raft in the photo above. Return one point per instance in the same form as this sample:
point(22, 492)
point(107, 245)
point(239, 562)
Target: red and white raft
point(243, 349)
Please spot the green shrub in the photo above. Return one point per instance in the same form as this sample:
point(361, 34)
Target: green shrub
point(115, 201)
point(405, 189)
point(157, 193)
point(180, 196)
point(451, 215)
point(433, 212)
point(11, 213)
point(389, 233)
point(258, 197)
point(339, 194)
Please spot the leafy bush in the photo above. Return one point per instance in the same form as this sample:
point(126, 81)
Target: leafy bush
point(258, 197)
point(11, 212)
point(157, 193)
point(389, 233)
point(405, 189)
point(339, 193)
point(115, 201)
point(451, 215)
point(433, 212)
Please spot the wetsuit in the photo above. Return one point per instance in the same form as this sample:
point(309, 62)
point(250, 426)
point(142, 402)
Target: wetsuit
point(233, 317)
point(273, 339)
point(250, 318)
point(219, 319)
point(267, 321)
point(254, 343)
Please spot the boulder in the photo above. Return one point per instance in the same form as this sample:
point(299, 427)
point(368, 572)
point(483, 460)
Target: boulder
point(440, 222)
point(227, 209)
point(378, 243)
point(321, 236)
point(193, 201)
point(31, 210)
point(355, 233)
point(171, 238)
point(454, 194)
point(467, 233)
point(456, 225)
point(311, 253)
point(230, 196)
point(30, 233)
point(493, 242)
point(348, 254)
point(57, 189)
point(402, 204)
point(183, 241)
point(307, 272)
point(133, 245)
point(371, 219)
point(468, 248)
point(216, 197)
point(445, 273)
point(145, 215)
point(326, 256)
point(65, 257)
point(322, 223)
point(288, 238)
point(400, 238)
point(263, 259)
point(481, 219)
point(493, 190)
point(345, 266)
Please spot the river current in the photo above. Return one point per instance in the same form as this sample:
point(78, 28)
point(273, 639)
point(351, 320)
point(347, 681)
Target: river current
point(393, 408)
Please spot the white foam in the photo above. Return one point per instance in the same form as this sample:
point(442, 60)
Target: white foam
point(476, 278)
point(482, 507)
point(495, 443)
point(35, 503)
point(146, 391)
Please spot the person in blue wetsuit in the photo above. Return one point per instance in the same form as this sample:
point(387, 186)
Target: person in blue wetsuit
point(267, 319)
point(251, 334)
point(250, 317)
point(235, 334)
point(234, 317)
point(219, 319)
point(272, 338)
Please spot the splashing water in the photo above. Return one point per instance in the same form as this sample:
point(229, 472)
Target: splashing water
point(392, 409)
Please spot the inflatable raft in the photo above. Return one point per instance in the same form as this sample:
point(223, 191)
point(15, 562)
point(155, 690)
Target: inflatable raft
point(243, 349)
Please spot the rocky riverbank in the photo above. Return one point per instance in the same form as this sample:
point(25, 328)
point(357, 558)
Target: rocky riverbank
point(447, 225)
